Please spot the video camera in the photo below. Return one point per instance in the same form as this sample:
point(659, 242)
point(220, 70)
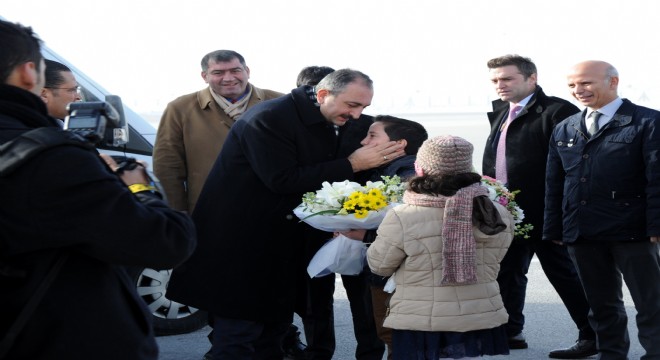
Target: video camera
point(99, 122)
point(103, 123)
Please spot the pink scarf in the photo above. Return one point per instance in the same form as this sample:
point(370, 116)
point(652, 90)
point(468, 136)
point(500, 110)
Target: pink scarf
point(458, 243)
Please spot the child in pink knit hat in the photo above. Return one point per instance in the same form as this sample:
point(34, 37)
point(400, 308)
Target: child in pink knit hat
point(445, 244)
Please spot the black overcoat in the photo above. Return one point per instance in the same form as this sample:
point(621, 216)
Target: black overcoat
point(66, 202)
point(527, 149)
point(249, 239)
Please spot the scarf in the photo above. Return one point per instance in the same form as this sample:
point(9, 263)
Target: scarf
point(233, 110)
point(310, 91)
point(458, 243)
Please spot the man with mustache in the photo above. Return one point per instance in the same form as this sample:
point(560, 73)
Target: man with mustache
point(250, 244)
point(194, 126)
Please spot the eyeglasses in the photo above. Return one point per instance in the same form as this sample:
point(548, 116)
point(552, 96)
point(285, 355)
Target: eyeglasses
point(75, 89)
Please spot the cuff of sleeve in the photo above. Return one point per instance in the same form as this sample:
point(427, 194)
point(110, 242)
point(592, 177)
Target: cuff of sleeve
point(136, 188)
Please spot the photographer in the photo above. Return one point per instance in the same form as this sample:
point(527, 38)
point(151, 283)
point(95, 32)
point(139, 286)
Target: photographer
point(68, 224)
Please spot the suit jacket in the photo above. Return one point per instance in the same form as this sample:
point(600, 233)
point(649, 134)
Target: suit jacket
point(527, 149)
point(190, 135)
point(250, 242)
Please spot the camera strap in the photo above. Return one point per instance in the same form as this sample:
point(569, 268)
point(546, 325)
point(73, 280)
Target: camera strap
point(18, 151)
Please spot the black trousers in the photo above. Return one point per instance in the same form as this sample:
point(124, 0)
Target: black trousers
point(559, 270)
point(319, 322)
point(601, 265)
point(235, 339)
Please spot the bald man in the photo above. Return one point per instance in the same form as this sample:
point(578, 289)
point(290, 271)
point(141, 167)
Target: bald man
point(603, 202)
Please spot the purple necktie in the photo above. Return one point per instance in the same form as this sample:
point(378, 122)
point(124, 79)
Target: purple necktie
point(500, 159)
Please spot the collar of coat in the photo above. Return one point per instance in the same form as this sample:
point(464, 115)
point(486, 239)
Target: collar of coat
point(622, 117)
point(310, 114)
point(205, 99)
point(500, 107)
point(24, 107)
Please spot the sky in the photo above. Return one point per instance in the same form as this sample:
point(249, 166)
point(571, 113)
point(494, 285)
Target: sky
point(423, 55)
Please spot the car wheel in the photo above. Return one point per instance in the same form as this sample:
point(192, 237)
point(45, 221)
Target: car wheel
point(169, 317)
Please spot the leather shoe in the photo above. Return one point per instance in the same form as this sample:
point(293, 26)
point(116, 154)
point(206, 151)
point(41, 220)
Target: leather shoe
point(294, 349)
point(581, 349)
point(517, 342)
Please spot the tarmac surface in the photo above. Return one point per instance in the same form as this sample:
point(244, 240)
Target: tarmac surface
point(548, 326)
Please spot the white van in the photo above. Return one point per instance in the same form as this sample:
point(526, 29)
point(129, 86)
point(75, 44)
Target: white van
point(169, 317)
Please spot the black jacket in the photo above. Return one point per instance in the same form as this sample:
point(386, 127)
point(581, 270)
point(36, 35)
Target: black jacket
point(606, 188)
point(250, 242)
point(67, 201)
point(527, 150)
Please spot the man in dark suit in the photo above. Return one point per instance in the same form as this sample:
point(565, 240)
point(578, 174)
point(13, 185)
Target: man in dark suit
point(603, 202)
point(245, 267)
point(316, 295)
point(516, 153)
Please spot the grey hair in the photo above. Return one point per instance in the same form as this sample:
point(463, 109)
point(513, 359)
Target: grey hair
point(336, 81)
point(611, 72)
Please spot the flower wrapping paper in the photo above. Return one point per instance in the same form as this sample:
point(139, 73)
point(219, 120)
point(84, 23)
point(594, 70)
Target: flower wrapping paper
point(340, 255)
point(346, 205)
point(333, 223)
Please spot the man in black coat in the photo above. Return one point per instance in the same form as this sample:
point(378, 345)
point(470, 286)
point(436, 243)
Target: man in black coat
point(522, 167)
point(249, 252)
point(67, 225)
point(316, 295)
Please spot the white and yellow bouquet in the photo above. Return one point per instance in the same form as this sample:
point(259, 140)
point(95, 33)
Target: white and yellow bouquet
point(348, 205)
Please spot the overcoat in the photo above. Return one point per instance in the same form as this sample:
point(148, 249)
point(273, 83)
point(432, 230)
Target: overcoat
point(189, 138)
point(527, 149)
point(66, 203)
point(249, 239)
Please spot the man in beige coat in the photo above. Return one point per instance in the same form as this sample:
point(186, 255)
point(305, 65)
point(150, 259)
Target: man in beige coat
point(194, 126)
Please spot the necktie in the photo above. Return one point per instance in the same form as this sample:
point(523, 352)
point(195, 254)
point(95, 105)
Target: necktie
point(500, 157)
point(594, 125)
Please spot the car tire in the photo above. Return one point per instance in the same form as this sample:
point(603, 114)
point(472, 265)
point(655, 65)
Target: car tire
point(169, 317)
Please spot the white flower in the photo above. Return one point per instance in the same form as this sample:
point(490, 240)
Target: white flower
point(333, 195)
point(374, 185)
point(520, 215)
point(492, 193)
point(324, 209)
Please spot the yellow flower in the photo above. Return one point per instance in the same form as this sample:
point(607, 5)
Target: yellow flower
point(362, 213)
point(332, 199)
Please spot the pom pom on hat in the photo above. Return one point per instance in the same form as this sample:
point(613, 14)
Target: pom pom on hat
point(445, 155)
